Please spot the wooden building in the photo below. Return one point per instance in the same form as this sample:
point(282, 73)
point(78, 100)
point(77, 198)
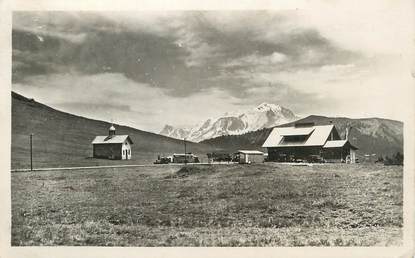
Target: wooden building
point(249, 156)
point(185, 158)
point(112, 146)
point(309, 142)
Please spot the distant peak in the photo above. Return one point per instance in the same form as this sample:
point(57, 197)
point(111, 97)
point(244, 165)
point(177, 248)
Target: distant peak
point(267, 106)
point(168, 127)
point(230, 114)
point(236, 122)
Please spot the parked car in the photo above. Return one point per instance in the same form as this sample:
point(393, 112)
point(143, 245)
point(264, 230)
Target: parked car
point(162, 160)
point(315, 159)
point(219, 156)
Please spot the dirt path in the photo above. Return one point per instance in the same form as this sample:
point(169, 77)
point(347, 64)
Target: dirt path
point(113, 166)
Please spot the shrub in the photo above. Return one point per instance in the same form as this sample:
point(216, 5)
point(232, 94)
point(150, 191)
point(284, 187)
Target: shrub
point(396, 159)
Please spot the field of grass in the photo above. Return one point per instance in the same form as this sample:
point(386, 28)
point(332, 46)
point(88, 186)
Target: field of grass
point(221, 205)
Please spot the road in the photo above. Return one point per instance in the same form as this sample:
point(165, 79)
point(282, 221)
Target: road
point(115, 166)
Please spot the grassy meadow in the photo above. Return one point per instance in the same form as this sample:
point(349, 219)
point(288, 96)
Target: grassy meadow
point(267, 204)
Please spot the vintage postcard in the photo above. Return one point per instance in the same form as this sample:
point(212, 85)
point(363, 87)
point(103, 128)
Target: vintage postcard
point(286, 127)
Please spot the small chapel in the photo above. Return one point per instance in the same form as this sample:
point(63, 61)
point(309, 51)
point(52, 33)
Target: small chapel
point(112, 146)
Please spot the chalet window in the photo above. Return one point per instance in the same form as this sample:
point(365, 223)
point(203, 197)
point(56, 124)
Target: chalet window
point(295, 138)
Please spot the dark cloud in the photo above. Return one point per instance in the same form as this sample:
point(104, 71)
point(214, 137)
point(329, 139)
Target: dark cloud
point(282, 94)
point(108, 108)
point(183, 54)
point(211, 61)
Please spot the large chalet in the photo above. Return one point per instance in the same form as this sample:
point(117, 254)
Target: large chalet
point(307, 141)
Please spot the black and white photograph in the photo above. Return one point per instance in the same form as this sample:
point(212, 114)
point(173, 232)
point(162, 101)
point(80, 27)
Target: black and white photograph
point(269, 127)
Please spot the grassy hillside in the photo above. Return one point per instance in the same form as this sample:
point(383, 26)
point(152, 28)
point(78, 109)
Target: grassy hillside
point(63, 139)
point(370, 135)
point(221, 205)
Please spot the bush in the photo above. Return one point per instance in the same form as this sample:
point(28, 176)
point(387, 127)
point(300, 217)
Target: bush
point(189, 170)
point(396, 159)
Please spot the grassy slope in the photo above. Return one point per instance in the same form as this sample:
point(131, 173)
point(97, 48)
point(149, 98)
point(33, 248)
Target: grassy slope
point(262, 205)
point(371, 135)
point(62, 139)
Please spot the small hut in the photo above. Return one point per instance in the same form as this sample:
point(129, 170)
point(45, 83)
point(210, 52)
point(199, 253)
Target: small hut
point(250, 156)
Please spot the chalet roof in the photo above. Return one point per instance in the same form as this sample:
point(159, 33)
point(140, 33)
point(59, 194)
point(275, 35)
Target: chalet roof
point(338, 144)
point(318, 136)
point(114, 139)
point(250, 152)
point(288, 131)
point(335, 144)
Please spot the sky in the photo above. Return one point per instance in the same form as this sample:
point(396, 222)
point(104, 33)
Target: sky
point(150, 68)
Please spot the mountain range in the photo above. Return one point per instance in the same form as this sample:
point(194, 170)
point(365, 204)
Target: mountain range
point(236, 123)
point(63, 139)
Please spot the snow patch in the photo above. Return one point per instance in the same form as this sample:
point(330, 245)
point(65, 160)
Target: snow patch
point(234, 123)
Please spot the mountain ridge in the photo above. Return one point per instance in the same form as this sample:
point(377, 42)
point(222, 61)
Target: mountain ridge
point(63, 139)
point(233, 123)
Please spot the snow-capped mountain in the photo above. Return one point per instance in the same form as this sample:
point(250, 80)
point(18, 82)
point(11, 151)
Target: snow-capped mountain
point(263, 116)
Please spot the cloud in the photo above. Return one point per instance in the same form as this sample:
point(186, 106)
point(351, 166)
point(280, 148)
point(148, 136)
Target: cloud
point(40, 33)
point(62, 25)
point(255, 60)
point(112, 96)
point(368, 28)
point(298, 101)
point(179, 52)
point(170, 61)
point(337, 68)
